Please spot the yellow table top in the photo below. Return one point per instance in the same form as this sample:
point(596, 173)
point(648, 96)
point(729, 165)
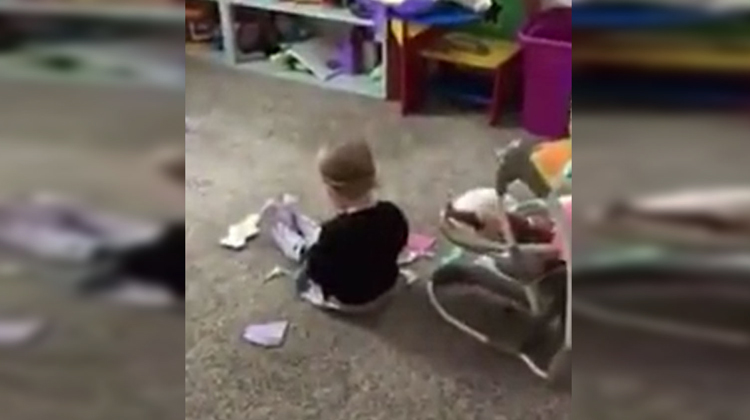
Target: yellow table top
point(470, 50)
point(413, 29)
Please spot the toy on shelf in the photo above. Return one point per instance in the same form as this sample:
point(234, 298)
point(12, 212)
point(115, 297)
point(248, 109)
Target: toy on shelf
point(298, 41)
point(310, 56)
point(326, 58)
point(502, 21)
point(256, 33)
point(291, 28)
point(349, 57)
point(200, 23)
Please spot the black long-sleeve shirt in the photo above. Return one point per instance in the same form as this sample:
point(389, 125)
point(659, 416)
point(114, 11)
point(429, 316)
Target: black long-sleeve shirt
point(356, 257)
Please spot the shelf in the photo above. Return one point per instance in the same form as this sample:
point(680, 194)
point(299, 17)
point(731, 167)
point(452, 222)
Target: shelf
point(124, 11)
point(360, 84)
point(329, 13)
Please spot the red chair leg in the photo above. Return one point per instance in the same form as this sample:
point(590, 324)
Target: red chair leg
point(412, 74)
point(394, 53)
point(410, 83)
point(413, 69)
point(419, 82)
point(497, 102)
point(405, 71)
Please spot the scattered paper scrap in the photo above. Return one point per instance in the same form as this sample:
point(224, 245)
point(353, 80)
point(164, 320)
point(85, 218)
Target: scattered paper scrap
point(240, 233)
point(277, 272)
point(409, 276)
point(138, 294)
point(18, 332)
point(267, 335)
point(421, 245)
point(408, 258)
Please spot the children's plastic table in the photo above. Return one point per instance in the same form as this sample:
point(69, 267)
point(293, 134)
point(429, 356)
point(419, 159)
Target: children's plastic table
point(409, 33)
point(433, 36)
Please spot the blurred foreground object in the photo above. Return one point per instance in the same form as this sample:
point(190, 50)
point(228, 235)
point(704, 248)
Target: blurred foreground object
point(700, 218)
point(671, 283)
point(160, 11)
point(58, 228)
point(19, 332)
point(670, 52)
point(130, 44)
point(171, 163)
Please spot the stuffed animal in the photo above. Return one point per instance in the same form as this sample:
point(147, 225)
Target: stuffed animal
point(481, 210)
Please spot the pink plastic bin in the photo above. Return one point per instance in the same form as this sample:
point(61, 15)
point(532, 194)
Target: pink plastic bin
point(547, 45)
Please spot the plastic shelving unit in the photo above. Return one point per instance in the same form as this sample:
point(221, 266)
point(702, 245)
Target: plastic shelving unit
point(358, 84)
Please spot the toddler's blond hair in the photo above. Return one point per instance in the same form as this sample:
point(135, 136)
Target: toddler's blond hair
point(348, 169)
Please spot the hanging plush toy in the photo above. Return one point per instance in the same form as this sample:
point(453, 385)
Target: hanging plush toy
point(552, 159)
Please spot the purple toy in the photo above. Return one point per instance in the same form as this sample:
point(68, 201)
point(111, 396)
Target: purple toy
point(349, 53)
point(413, 7)
point(378, 12)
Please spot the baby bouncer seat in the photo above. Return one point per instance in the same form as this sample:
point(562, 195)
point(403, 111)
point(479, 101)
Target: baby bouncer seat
point(534, 278)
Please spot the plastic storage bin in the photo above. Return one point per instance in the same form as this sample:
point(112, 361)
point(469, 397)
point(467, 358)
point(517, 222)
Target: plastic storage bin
point(546, 42)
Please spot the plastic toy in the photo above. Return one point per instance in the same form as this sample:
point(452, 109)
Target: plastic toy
point(349, 53)
point(535, 278)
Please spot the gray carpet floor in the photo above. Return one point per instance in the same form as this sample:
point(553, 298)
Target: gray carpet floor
point(258, 137)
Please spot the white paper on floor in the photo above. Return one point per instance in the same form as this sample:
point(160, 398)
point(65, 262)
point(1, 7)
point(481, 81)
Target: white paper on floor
point(17, 332)
point(268, 335)
point(138, 294)
point(240, 233)
point(276, 273)
point(409, 276)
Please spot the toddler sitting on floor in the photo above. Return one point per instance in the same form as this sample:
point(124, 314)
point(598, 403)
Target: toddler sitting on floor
point(351, 261)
